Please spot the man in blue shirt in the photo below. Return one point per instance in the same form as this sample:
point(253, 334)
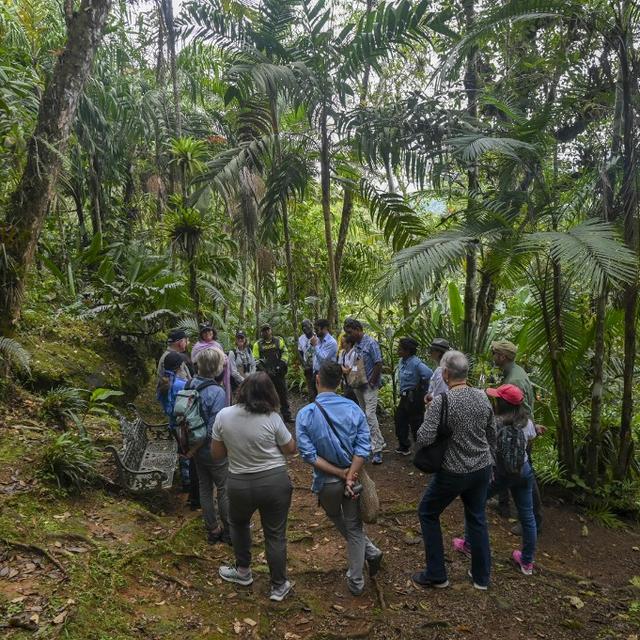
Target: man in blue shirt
point(323, 345)
point(369, 356)
point(413, 379)
point(333, 436)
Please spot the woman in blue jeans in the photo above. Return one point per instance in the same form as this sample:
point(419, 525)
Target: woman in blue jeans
point(466, 472)
point(510, 410)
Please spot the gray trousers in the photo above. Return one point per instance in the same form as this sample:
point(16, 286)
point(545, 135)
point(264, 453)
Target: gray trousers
point(368, 401)
point(268, 492)
point(345, 515)
point(212, 475)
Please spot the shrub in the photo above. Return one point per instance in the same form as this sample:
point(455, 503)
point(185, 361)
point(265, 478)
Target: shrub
point(69, 460)
point(64, 404)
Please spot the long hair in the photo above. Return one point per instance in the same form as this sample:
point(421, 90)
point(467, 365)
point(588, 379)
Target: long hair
point(515, 414)
point(258, 394)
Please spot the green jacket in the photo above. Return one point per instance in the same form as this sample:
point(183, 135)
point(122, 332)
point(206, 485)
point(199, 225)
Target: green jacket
point(516, 375)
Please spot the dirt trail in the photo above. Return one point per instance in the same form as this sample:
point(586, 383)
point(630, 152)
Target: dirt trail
point(141, 569)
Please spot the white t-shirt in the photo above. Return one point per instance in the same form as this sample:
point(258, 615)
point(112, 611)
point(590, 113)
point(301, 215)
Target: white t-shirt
point(252, 439)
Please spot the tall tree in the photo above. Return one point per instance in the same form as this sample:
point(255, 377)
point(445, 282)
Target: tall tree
point(30, 201)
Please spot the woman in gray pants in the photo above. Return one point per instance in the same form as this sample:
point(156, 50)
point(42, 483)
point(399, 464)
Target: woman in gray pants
point(253, 437)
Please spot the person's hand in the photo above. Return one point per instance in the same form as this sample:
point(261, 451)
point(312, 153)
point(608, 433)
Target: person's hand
point(313, 341)
point(350, 482)
point(428, 398)
point(540, 429)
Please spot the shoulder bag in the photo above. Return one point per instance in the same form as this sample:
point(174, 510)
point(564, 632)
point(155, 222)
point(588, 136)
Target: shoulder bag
point(429, 459)
point(369, 501)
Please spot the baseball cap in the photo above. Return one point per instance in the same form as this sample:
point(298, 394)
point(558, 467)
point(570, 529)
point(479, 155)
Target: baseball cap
point(508, 392)
point(176, 334)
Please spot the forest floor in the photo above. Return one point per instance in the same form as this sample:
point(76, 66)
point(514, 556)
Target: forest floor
point(140, 568)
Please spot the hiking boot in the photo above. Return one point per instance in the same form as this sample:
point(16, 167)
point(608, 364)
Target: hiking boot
point(462, 546)
point(401, 451)
point(525, 567)
point(225, 537)
point(354, 590)
point(480, 587)
point(420, 580)
point(374, 564)
point(279, 593)
point(376, 458)
point(230, 574)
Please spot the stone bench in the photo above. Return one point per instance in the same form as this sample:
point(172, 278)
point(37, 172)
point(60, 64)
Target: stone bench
point(148, 457)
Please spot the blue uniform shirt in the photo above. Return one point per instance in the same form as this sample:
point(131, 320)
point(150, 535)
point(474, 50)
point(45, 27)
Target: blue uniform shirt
point(369, 350)
point(413, 373)
point(315, 437)
point(168, 401)
point(325, 350)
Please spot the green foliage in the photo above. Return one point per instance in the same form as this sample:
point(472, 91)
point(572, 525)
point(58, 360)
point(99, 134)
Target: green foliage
point(64, 404)
point(69, 460)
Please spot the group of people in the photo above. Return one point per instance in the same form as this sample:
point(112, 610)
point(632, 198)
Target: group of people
point(239, 462)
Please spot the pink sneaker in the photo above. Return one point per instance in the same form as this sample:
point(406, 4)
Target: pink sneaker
point(527, 569)
point(462, 546)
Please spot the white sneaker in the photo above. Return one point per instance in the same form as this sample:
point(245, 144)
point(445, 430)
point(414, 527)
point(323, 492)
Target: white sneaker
point(230, 574)
point(278, 594)
point(480, 587)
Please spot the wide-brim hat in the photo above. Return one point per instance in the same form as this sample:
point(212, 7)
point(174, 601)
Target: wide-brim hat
point(440, 344)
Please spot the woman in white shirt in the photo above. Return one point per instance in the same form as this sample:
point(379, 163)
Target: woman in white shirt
point(252, 435)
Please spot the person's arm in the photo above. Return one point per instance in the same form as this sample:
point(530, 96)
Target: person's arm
point(492, 434)
point(256, 350)
point(284, 354)
point(376, 356)
point(308, 449)
point(218, 448)
point(233, 369)
point(428, 431)
point(425, 375)
point(284, 439)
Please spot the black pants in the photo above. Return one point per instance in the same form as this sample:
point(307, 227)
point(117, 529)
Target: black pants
point(194, 486)
point(268, 492)
point(310, 379)
point(409, 416)
point(280, 384)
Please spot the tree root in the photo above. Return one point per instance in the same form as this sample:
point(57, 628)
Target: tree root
point(39, 550)
point(79, 537)
point(379, 593)
point(169, 578)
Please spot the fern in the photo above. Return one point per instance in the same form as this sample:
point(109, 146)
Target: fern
point(14, 354)
point(70, 461)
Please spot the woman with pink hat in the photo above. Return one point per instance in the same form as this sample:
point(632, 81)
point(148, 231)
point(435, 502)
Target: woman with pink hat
point(512, 469)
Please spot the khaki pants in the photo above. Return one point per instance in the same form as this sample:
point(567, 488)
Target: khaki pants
point(368, 401)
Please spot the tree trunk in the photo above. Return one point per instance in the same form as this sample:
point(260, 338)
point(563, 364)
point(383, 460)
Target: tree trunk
point(325, 183)
point(485, 306)
point(291, 289)
point(629, 204)
point(167, 13)
point(597, 388)
point(471, 267)
point(27, 209)
point(94, 194)
point(345, 220)
point(193, 287)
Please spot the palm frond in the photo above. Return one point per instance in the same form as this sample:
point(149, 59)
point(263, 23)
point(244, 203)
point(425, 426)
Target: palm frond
point(591, 251)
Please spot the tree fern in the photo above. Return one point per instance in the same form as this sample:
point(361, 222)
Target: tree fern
point(14, 354)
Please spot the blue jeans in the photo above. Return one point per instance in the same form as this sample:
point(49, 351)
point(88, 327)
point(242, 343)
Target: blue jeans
point(443, 489)
point(522, 492)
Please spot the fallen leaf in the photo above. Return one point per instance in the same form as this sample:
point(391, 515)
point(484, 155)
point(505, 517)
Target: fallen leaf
point(237, 626)
point(337, 607)
point(35, 618)
point(584, 532)
point(77, 549)
point(161, 603)
point(250, 622)
point(574, 601)
point(18, 599)
point(60, 618)
point(291, 636)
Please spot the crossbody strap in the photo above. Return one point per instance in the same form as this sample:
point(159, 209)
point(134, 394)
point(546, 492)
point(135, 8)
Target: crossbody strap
point(443, 425)
point(333, 428)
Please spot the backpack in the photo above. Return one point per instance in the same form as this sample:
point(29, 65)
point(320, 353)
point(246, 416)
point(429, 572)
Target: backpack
point(191, 427)
point(511, 450)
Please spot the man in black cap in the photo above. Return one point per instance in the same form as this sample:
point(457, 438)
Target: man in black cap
point(270, 353)
point(437, 348)
point(177, 341)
